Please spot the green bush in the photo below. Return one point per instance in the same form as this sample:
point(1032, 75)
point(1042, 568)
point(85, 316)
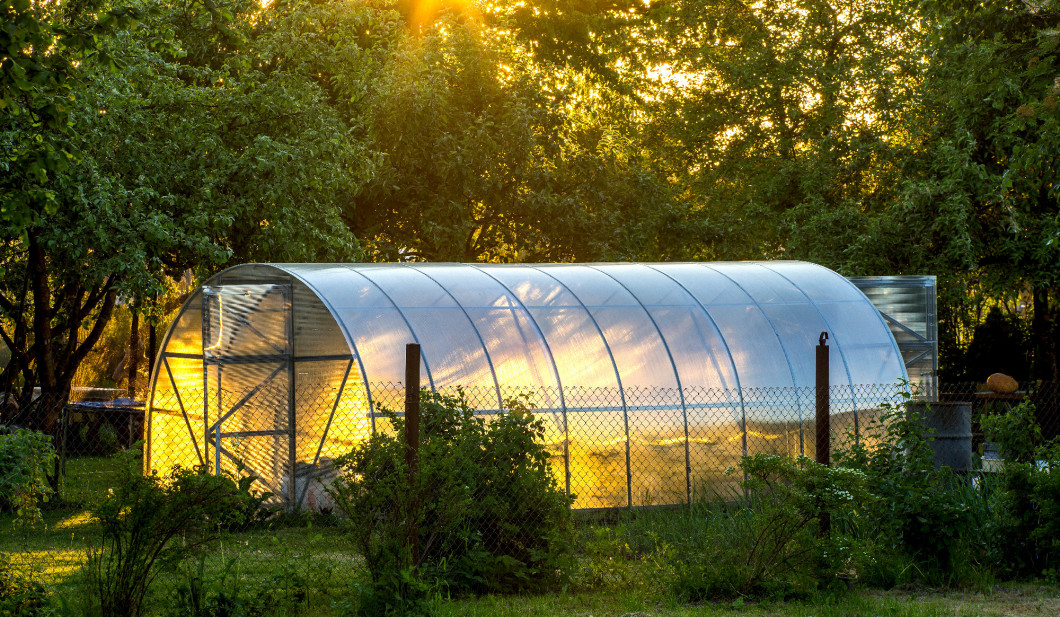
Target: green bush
point(1016, 432)
point(774, 542)
point(148, 523)
point(1025, 529)
point(933, 517)
point(26, 460)
point(489, 513)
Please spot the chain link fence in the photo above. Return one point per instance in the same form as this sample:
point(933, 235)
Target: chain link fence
point(608, 448)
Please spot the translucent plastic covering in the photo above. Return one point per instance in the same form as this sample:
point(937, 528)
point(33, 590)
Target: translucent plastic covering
point(636, 367)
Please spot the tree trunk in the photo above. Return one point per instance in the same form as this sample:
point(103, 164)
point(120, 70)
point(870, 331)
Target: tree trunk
point(134, 350)
point(1043, 339)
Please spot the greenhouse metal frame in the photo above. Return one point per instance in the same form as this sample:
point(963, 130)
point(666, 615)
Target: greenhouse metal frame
point(639, 369)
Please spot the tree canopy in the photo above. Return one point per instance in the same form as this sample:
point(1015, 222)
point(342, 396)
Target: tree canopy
point(145, 138)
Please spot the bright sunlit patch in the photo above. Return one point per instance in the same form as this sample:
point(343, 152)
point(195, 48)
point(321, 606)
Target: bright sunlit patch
point(50, 565)
point(424, 12)
point(72, 522)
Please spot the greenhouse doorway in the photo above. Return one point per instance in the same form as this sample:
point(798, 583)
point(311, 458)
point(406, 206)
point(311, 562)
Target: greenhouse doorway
point(248, 381)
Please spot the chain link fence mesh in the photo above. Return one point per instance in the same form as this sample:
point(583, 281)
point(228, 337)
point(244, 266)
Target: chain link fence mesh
point(609, 448)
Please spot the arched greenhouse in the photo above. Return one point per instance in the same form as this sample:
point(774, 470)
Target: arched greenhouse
point(652, 378)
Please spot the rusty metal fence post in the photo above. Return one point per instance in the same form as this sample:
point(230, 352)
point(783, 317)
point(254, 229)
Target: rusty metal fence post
point(412, 442)
point(824, 425)
point(824, 437)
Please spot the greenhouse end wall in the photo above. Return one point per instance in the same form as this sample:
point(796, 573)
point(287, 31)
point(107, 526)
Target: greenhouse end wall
point(652, 378)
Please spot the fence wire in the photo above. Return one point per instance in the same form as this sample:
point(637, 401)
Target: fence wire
point(608, 448)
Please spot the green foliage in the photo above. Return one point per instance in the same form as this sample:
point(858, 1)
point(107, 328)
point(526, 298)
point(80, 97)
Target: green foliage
point(1026, 495)
point(772, 542)
point(21, 595)
point(282, 590)
point(930, 515)
point(149, 523)
point(1016, 432)
point(483, 503)
point(26, 461)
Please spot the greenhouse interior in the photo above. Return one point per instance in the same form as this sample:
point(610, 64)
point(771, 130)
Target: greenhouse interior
point(652, 378)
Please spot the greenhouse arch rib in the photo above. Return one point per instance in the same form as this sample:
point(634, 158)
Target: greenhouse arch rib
point(474, 328)
point(677, 376)
point(618, 378)
point(552, 365)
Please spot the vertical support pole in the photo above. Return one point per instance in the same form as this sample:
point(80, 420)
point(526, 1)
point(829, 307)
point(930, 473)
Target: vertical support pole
point(566, 446)
point(412, 442)
point(292, 441)
point(629, 465)
point(205, 459)
point(824, 437)
point(824, 444)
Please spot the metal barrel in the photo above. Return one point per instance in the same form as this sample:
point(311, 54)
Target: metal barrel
point(952, 438)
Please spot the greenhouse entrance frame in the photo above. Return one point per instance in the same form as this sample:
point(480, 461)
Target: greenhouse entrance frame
point(236, 356)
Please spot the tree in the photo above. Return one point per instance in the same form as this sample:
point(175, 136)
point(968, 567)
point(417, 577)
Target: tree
point(988, 162)
point(785, 117)
point(41, 43)
point(191, 156)
point(489, 156)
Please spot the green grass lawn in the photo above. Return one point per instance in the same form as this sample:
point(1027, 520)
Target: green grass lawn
point(1024, 600)
point(311, 570)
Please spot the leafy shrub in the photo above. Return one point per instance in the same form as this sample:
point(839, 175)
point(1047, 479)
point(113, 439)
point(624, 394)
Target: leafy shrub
point(929, 515)
point(488, 512)
point(148, 523)
point(773, 542)
point(20, 595)
point(1025, 530)
point(26, 459)
point(1016, 432)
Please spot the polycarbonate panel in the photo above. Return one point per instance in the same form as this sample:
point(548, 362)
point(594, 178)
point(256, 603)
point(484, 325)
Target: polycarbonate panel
point(869, 347)
point(638, 350)
point(407, 287)
point(799, 327)
point(818, 283)
point(517, 349)
point(470, 286)
point(452, 346)
point(763, 285)
point(581, 357)
point(185, 333)
point(693, 341)
point(448, 340)
point(577, 346)
point(709, 287)
point(380, 334)
point(697, 349)
point(590, 286)
point(756, 352)
point(316, 332)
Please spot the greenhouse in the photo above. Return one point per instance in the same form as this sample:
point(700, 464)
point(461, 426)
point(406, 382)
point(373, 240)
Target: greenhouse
point(652, 379)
